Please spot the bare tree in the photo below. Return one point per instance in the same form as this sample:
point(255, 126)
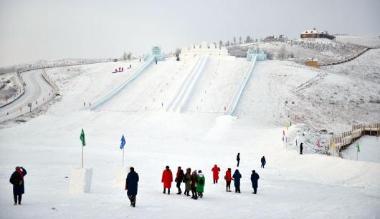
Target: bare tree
point(240, 40)
point(220, 44)
point(177, 52)
point(234, 40)
point(282, 54)
point(248, 39)
point(125, 56)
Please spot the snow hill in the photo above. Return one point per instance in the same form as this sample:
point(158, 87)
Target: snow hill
point(291, 186)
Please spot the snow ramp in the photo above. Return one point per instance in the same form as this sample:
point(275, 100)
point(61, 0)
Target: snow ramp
point(183, 96)
point(117, 90)
point(237, 96)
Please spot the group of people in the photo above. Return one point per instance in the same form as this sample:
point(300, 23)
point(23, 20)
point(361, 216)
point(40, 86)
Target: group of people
point(194, 181)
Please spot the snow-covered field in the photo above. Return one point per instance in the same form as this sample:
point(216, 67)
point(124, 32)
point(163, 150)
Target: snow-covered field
point(291, 186)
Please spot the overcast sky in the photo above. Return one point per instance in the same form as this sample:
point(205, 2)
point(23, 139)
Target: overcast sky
point(32, 30)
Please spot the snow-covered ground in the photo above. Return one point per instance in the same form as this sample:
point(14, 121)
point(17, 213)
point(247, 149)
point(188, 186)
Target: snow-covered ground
point(368, 149)
point(291, 186)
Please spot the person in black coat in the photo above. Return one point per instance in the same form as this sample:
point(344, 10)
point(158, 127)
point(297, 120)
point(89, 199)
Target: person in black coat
point(238, 159)
point(237, 177)
point(254, 179)
point(17, 180)
point(301, 148)
point(263, 162)
point(131, 184)
point(179, 178)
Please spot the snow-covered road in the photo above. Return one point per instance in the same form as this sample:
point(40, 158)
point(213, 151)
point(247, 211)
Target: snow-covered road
point(37, 91)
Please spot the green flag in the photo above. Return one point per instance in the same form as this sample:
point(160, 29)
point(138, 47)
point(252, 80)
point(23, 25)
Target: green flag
point(358, 147)
point(82, 138)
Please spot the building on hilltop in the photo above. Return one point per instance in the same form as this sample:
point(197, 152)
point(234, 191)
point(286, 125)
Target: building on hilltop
point(314, 33)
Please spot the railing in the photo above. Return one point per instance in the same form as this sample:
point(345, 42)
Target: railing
point(340, 141)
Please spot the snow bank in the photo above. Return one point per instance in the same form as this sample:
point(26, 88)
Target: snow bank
point(80, 181)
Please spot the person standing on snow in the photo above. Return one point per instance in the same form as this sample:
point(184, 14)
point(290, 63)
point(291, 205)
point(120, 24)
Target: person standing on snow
point(17, 180)
point(237, 177)
point(238, 159)
point(167, 179)
point(254, 179)
point(215, 173)
point(131, 185)
point(200, 183)
point(178, 179)
point(187, 181)
point(228, 179)
point(301, 147)
point(263, 162)
point(194, 177)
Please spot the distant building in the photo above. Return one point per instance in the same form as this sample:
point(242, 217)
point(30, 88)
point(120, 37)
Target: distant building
point(314, 33)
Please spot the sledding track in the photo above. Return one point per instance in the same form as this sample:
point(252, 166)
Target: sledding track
point(183, 95)
point(118, 89)
point(237, 96)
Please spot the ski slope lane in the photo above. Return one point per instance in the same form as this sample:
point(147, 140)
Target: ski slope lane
point(118, 89)
point(237, 96)
point(183, 95)
point(154, 89)
point(220, 79)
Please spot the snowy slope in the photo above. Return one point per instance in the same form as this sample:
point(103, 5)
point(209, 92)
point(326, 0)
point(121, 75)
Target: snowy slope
point(291, 186)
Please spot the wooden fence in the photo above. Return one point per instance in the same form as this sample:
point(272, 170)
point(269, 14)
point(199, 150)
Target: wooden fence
point(340, 141)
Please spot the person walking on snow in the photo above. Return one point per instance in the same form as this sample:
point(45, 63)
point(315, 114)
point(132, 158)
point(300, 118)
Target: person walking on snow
point(131, 185)
point(228, 179)
point(215, 173)
point(263, 162)
point(178, 179)
point(167, 179)
point(187, 181)
point(237, 177)
point(200, 183)
point(17, 180)
point(238, 159)
point(194, 177)
point(254, 179)
point(301, 148)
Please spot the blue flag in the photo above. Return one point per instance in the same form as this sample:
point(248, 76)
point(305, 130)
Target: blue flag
point(122, 143)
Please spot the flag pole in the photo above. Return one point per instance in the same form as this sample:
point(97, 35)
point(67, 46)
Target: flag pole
point(82, 157)
point(122, 165)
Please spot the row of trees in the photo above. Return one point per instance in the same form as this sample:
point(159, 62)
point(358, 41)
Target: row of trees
point(236, 41)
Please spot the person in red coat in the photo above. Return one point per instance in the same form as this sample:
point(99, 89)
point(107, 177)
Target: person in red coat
point(215, 173)
point(228, 179)
point(167, 179)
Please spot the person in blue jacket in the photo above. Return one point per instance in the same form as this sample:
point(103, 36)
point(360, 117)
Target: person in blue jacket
point(131, 185)
point(237, 177)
